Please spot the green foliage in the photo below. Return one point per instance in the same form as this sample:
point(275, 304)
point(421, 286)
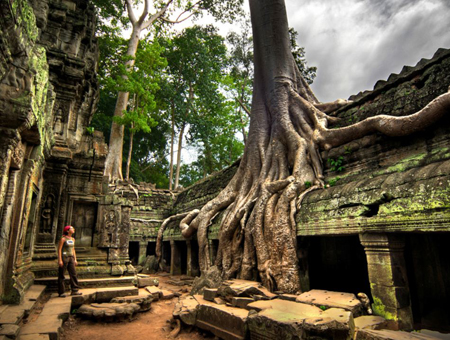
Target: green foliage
point(336, 164)
point(308, 184)
point(332, 182)
point(90, 130)
point(323, 307)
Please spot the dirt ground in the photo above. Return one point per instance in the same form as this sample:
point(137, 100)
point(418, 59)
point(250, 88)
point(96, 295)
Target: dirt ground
point(151, 325)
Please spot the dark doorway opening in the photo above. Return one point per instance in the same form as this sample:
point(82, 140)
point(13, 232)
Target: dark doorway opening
point(195, 267)
point(428, 267)
point(182, 251)
point(338, 264)
point(151, 248)
point(133, 252)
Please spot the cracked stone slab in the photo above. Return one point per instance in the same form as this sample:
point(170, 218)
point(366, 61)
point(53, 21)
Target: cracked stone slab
point(283, 319)
point(228, 323)
point(9, 330)
point(366, 334)
point(45, 325)
point(370, 322)
point(186, 310)
point(330, 299)
point(108, 311)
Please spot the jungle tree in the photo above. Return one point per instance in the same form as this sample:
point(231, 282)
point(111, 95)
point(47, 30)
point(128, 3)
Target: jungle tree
point(288, 128)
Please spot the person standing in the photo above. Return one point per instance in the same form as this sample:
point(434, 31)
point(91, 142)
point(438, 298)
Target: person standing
point(67, 258)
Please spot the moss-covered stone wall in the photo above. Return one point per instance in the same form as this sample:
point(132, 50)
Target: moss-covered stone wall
point(380, 183)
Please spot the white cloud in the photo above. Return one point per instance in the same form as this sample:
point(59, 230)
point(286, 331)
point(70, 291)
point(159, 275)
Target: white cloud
point(354, 43)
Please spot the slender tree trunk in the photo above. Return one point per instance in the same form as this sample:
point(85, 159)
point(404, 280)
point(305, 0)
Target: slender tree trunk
point(180, 146)
point(172, 137)
point(113, 164)
point(130, 152)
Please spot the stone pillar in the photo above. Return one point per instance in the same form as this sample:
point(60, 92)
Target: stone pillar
point(175, 259)
point(189, 258)
point(388, 278)
point(142, 252)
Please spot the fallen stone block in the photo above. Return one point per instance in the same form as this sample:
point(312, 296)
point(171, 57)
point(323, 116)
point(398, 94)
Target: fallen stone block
point(370, 322)
point(366, 334)
point(186, 310)
point(228, 323)
point(282, 319)
point(241, 302)
point(243, 288)
point(10, 331)
point(289, 297)
point(156, 292)
point(108, 312)
point(167, 294)
point(147, 281)
point(143, 301)
point(209, 294)
point(326, 299)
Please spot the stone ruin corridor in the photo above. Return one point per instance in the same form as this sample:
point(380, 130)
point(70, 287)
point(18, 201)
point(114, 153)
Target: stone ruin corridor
point(381, 227)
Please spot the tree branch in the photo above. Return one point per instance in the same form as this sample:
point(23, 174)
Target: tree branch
point(157, 15)
point(247, 111)
point(131, 14)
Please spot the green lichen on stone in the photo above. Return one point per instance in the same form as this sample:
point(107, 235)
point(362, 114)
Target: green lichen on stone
point(24, 16)
point(379, 309)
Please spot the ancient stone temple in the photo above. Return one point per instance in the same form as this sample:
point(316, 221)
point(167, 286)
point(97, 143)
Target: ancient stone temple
point(380, 227)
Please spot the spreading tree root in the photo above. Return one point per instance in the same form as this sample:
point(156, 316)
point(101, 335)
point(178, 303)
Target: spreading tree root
point(258, 230)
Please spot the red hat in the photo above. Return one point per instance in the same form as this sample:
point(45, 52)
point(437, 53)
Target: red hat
point(66, 228)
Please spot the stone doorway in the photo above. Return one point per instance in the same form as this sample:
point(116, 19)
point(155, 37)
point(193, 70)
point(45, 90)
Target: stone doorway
point(428, 268)
point(338, 263)
point(151, 248)
point(133, 252)
point(84, 217)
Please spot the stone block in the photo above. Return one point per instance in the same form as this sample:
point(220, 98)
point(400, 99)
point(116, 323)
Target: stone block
point(9, 330)
point(370, 322)
point(366, 334)
point(108, 311)
point(33, 337)
point(228, 323)
point(281, 319)
point(46, 325)
point(107, 294)
point(327, 299)
point(186, 310)
point(289, 297)
point(147, 281)
point(241, 302)
point(209, 294)
point(156, 292)
point(143, 301)
point(243, 288)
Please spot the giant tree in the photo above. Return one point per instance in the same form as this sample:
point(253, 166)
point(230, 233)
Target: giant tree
point(288, 128)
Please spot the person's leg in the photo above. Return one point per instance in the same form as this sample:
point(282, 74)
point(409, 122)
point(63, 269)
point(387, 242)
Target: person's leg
point(73, 275)
point(61, 278)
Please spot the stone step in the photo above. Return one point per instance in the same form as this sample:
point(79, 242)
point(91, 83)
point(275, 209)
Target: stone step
point(49, 323)
point(13, 314)
point(110, 281)
point(366, 334)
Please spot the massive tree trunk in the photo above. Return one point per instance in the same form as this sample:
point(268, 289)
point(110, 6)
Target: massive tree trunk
point(287, 130)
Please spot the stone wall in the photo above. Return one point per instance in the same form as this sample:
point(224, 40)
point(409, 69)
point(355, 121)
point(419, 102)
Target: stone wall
point(48, 93)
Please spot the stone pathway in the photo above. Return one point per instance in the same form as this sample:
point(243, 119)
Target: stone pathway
point(240, 309)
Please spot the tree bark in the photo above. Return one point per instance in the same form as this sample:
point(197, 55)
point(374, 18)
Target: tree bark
point(180, 146)
point(113, 163)
point(130, 152)
point(172, 137)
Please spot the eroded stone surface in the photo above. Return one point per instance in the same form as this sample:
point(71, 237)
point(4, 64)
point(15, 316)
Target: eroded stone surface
point(391, 335)
point(143, 301)
point(186, 310)
point(329, 299)
point(243, 288)
point(108, 311)
point(370, 322)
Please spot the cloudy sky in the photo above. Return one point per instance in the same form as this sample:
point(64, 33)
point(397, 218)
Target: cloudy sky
point(355, 43)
